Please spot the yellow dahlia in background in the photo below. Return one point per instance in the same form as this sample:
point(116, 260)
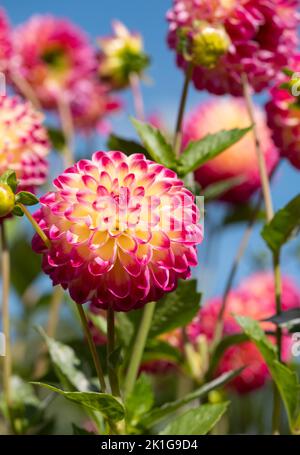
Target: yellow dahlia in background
point(53, 54)
point(121, 55)
point(24, 144)
point(239, 160)
point(123, 230)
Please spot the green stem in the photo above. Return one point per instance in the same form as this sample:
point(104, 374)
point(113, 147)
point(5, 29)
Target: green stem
point(182, 104)
point(5, 268)
point(35, 226)
point(112, 373)
point(276, 258)
point(138, 348)
point(92, 347)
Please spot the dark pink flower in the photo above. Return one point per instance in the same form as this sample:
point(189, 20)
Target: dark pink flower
point(263, 35)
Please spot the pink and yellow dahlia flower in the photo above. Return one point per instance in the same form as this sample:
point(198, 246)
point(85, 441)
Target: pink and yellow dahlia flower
point(239, 160)
point(24, 144)
point(123, 230)
point(53, 54)
point(283, 112)
point(121, 55)
point(262, 35)
point(255, 298)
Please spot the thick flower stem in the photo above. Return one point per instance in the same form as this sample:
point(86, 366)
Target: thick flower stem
point(5, 268)
point(112, 373)
point(138, 102)
point(92, 347)
point(138, 348)
point(183, 99)
point(276, 258)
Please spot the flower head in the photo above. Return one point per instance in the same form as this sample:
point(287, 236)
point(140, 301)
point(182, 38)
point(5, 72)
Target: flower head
point(121, 55)
point(53, 55)
point(91, 104)
point(254, 298)
point(239, 160)
point(262, 34)
point(283, 112)
point(122, 231)
point(23, 142)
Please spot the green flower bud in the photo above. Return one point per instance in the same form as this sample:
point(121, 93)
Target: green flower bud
point(208, 44)
point(7, 200)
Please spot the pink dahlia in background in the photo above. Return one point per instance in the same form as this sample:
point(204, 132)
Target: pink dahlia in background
point(239, 160)
point(283, 111)
point(253, 298)
point(263, 34)
point(23, 142)
point(91, 105)
point(121, 55)
point(123, 230)
point(5, 42)
point(53, 54)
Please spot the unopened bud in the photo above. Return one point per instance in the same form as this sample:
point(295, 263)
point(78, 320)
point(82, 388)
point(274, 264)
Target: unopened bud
point(209, 43)
point(7, 200)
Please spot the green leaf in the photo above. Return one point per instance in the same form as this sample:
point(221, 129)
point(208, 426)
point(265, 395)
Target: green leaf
point(176, 309)
point(9, 177)
point(57, 138)
point(140, 400)
point(109, 406)
point(287, 318)
point(284, 223)
point(285, 379)
point(26, 198)
point(17, 211)
point(196, 421)
point(66, 364)
point(126, 146)
point(218, 189)
point(199, 152)
point(158, 414)
point(99, 322)
point(156, 144)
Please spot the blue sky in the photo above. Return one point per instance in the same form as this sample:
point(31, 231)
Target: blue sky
point(148, 17)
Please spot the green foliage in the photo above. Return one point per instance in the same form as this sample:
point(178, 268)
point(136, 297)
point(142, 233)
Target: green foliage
point(26, 198)
point(57, 139)
point(285, 379)
point(160, 413)
point(176, 309)
point(140, 401)
point(26, 265)
point(218, 189)
point(156, 144)
point(126, 146)
point(66, 364)
point(109, 406)
point(283, 225)
point(9, 178)
point(199, 152)
point(196, 421)
point(288, 318)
